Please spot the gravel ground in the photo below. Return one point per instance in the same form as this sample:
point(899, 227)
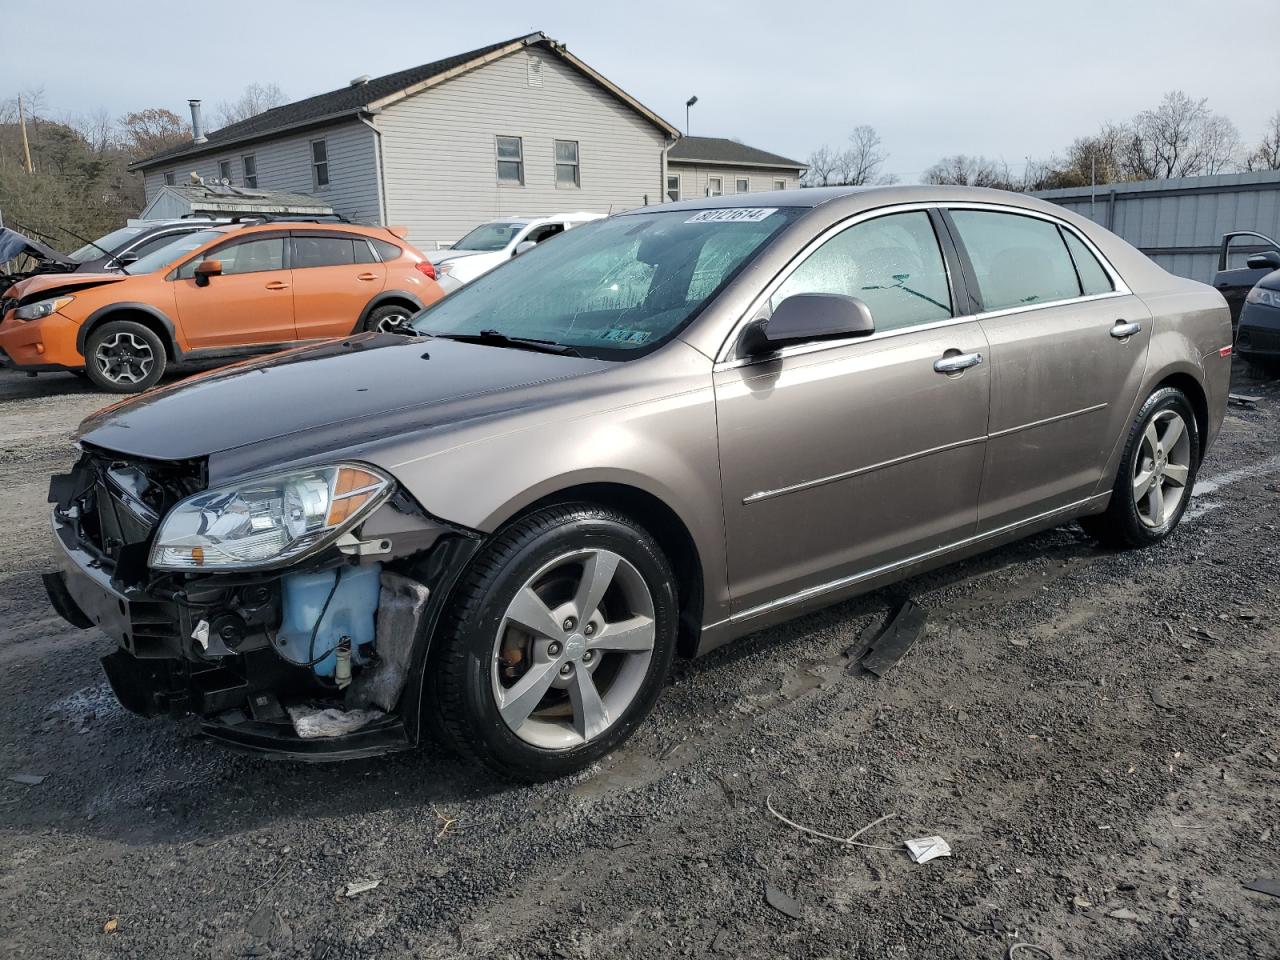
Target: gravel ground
point(1094, 733)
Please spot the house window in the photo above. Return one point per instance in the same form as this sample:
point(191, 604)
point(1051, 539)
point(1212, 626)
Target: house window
point(319, 163)
point(224, 170)
point(510, 160)
point(567, 164)
point(779, 184)
point(743, 185)
point(715, 187)
point(168, 178)
point(673, 187)
point(250, 170)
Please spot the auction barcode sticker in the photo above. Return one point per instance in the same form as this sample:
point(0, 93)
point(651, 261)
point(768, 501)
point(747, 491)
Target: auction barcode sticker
point(733, 215)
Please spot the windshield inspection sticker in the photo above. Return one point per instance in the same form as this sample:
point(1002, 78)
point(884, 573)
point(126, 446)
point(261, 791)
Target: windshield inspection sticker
point(626, 336)
point(733, 215)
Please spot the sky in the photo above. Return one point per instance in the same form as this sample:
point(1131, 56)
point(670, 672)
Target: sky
point(1008, 80)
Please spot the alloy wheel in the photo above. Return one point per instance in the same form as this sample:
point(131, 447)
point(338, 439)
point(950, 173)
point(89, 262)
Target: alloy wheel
point(392, 323)
point(573, 649)
point(1162, 468)
point(124, 357)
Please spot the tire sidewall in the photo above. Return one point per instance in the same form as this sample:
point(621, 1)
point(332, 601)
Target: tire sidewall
point(588, 529)
point(377, 314)
point(103, 331)
point(1166, 398)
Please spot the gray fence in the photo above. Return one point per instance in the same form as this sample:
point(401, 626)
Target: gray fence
point(1180, 223)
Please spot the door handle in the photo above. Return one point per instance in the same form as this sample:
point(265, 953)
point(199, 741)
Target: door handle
point(277, 285)
point(1123, 330)
point(367, 276)
point(956, 362)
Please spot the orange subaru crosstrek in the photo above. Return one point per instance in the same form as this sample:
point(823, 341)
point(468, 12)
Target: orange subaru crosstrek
point(221, 293)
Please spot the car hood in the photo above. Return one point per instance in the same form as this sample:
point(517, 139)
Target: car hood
point(441, 256)
point(13, 244)
point(49, 282)
point(320, 399)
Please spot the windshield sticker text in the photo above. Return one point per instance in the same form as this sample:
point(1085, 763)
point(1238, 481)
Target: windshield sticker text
point(733, 215)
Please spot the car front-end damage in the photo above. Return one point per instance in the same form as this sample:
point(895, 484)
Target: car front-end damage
point(320, 656)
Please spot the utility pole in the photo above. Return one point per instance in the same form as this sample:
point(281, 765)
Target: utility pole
point(1093, 186)
point(26, 147)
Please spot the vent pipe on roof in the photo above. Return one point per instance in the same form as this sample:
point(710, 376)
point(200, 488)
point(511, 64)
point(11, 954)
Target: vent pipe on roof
point(197, 124)
point(359, 81)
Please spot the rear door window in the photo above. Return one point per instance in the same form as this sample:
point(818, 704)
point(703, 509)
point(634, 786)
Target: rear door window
point(1093, 278)
point(892, 263)
point(322, 252)
point(1019, 261)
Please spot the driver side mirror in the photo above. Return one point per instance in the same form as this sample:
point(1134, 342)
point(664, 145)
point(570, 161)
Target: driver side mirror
point(126, 258)
point(206, 269)
point(524, 246)
point(1267, 260)
point(808, 317)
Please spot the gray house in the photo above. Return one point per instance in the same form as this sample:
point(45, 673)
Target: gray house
point(714, 166)
point(519, 127)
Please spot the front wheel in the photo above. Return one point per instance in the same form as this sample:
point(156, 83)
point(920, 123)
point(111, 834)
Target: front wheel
point(1157, 472)
point(558, 644)
point(124, 357)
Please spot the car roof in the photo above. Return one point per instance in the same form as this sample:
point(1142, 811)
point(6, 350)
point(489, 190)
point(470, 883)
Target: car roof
point(868, 197)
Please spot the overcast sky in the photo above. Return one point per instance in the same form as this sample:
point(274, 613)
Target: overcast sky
point(934, 77)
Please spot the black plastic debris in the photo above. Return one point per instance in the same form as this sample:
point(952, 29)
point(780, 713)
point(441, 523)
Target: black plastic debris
point(1267, 885)
point(1242, 400)
point(876, 652)
point(781, 902)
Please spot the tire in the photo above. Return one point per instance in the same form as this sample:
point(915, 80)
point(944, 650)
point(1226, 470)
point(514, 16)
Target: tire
point(387, 319)
point(519, 701)
point(1152, 464)
point(124, 357)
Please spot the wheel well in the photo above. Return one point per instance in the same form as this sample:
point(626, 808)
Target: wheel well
point(147, 320)
point(665, 527)
point(1199, 402)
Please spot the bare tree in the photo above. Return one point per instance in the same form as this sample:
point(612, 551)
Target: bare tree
point(257, 98)
point(97, 127)
point(857, 164)
point(963, 170)
point(1266, 156)
point(147, 132)
point(1181, 137)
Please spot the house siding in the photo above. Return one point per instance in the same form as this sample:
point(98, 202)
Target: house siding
point(439, 149)
point(285, 164)
point(694, 177)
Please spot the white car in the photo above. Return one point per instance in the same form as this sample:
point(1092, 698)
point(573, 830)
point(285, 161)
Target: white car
point(497, 242)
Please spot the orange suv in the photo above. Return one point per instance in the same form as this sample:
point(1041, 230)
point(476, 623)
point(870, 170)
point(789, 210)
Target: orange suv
point(225, 292)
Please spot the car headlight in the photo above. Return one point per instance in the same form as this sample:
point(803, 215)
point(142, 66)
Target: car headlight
point(1268, 298)
point(41, 308)
point(267, 521)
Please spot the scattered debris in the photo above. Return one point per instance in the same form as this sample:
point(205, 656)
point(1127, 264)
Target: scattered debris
point(924, 849)
point(877, 652)
point(1080, 903)
point(30, 779)
point(1124, 913)
point(781, 902)
point(111, 926)
point(356, 887)
point(1242, 400)
point(1265, 835)
point(312, 722)
point(1268, 885)
point(1159, 699)
point(850, 840)
point(1018, 949)
point(446, 823)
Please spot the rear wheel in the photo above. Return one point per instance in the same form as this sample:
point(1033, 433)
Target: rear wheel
point(1156, 475)
point(124, 357)
point(558, 644)
point(392, 318)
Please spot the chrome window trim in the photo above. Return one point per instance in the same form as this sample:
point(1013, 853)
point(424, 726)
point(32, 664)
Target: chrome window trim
point(725, 360)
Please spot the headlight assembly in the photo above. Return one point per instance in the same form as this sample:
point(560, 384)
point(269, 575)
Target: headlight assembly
point(1268, 298)
point(268, 521)
point(41, 308)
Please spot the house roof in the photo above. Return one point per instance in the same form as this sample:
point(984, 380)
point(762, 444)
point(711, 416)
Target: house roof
point(369, 96)
point(728, 152)
point(212, 198)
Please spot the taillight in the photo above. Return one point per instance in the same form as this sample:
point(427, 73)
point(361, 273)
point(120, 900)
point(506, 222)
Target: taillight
point(424, 266)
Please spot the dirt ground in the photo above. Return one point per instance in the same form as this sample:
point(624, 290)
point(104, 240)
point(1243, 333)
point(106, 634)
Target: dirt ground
point(1094, 733)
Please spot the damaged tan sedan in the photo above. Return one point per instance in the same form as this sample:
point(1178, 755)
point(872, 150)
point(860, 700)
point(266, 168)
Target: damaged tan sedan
point(650, 436)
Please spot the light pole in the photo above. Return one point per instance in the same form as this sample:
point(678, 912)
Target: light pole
point(687, 104)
